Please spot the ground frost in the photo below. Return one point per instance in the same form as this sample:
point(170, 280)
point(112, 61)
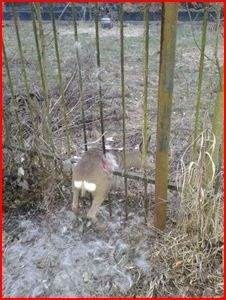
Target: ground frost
point(60, 255)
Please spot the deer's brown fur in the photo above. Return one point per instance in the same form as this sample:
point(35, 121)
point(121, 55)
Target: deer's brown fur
point(96, 169)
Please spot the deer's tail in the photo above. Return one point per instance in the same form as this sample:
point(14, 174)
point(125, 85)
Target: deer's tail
point(84, 186)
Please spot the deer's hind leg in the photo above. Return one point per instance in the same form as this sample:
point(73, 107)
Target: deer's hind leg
point(75, 202)
point(98, 198)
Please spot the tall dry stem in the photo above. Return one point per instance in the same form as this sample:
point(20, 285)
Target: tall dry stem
point(197, 125)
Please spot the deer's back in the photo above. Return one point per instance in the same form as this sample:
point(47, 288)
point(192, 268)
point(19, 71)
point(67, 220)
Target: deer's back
point(89, 167)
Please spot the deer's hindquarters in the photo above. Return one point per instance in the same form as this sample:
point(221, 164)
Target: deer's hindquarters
point(93, 173)
point(84, 186)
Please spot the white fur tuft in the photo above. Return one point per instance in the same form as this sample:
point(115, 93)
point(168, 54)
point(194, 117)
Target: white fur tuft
point(84, 185)
point(89, 186)
point(78, 184)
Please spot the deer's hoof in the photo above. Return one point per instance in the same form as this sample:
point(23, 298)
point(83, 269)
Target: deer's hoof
point(75, 209)
point(96, 224)
point(100, 226)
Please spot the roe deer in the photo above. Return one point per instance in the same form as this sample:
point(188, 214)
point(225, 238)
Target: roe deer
point(94, 173)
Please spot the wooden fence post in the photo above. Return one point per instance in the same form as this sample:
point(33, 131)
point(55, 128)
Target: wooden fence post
point(80, 83)
point(145, 105)
point(46, 122)
point(200, 77)
point(123, 103)
point(99, 75)
point(165, 91)
point(217, 129)
point(63, 107)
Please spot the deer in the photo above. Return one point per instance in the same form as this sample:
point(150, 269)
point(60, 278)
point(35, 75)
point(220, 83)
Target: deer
point(94, 174)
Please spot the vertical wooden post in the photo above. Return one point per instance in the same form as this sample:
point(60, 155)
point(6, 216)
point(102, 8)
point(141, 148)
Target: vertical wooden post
point(145, 104)
point(24, 76)
point(217, 182)
point(46, 123)
point(42, 48)
point(200, 77)
point(7, 71)
point(60, 78)
point(20, 140)
point(217, 122)
point(40, 63)
point(80, 84)
point(6, 113)
point(217, 129)
point(165, 91)
point(123, 103)
point(98, 70)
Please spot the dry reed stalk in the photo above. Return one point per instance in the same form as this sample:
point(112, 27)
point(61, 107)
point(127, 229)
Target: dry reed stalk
point(63, 106)
point(200, 207)
point(15, 103)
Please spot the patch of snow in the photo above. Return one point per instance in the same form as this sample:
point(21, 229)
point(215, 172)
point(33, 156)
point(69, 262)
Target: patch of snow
point(20, 171)
point(110, 139)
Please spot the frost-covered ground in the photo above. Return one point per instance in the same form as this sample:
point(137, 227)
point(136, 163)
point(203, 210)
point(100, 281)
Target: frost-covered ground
point(61, 254)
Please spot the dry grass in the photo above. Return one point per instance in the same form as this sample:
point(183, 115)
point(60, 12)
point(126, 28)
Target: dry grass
point(191, 254)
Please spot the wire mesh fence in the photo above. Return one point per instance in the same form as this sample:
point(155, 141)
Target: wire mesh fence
point(65, 87)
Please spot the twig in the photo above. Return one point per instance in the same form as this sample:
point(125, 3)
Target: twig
point(63, 11)
point(64, 91)
point(193, 34)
